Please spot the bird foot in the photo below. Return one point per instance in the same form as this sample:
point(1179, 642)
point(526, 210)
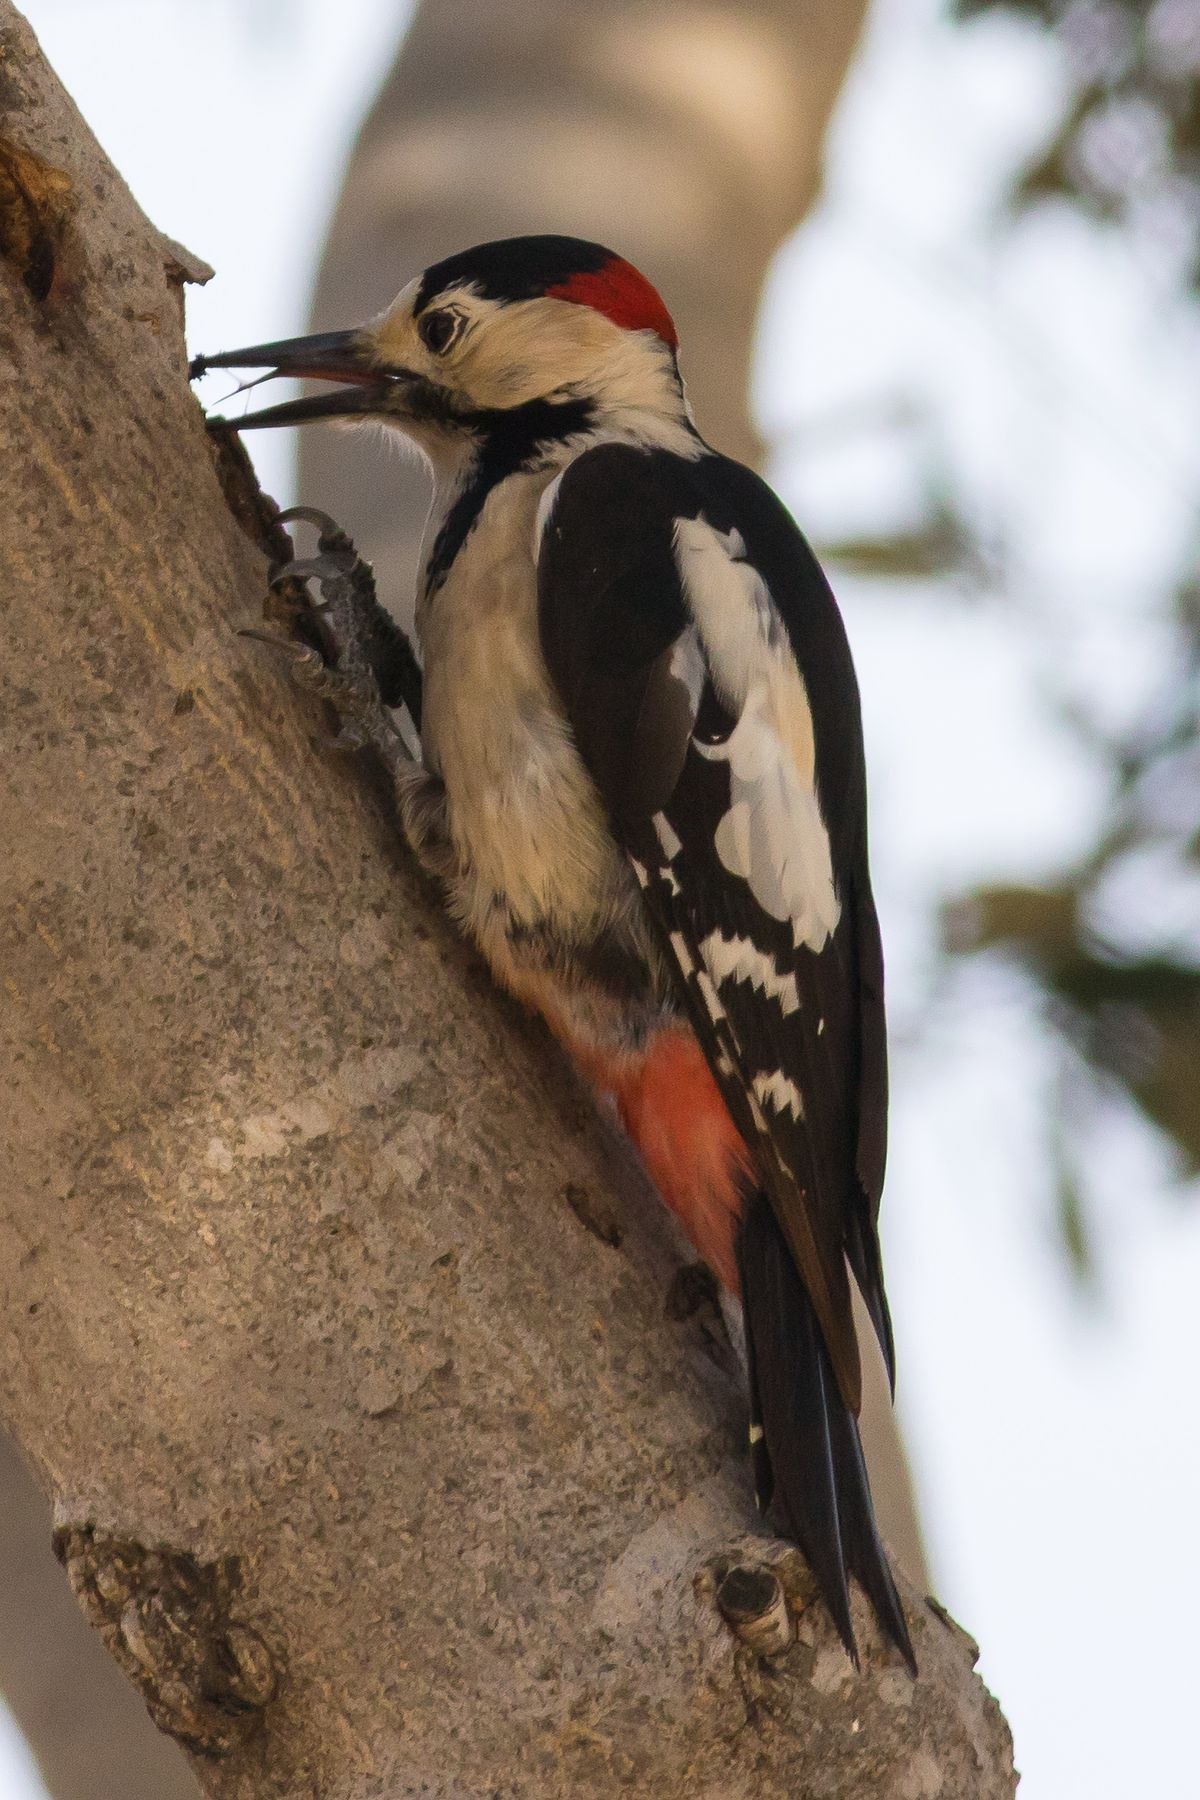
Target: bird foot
point(347, 584)
point(352, 617)
point(364, 719)
point(364, 633)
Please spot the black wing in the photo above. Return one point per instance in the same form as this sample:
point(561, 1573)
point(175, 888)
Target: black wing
point(795, 1035)
point(642, 701)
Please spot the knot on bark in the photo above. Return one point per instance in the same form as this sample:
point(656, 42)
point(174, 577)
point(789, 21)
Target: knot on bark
point(754, 1605)
point(757, 1598)
point(205, 1676)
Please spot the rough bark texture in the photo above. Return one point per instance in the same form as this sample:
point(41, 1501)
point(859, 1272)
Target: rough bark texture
point(687, 135)
point(379, 1469)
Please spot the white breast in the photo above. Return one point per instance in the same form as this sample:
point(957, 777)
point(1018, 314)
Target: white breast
point(524, 815)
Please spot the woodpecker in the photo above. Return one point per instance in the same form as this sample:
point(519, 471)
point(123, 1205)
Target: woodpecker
point(640, 784)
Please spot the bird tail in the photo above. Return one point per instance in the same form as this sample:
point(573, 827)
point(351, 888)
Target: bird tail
point(806, 1449)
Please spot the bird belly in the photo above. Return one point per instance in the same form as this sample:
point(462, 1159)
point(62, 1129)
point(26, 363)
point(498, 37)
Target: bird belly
point(535, 867)
point(538, 884)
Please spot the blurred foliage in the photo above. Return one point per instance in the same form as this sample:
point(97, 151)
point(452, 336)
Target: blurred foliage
point(1125, 1016)
point(1135, 1020)
point(1125, 151)
point(1128, 1019)
point(1127, 148)
point(938, 543)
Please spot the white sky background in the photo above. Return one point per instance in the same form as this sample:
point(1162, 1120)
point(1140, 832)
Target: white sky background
point(1054, 1437)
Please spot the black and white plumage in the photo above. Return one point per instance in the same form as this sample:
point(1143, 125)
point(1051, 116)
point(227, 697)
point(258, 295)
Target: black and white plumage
point(728, 750)
point(642, 789)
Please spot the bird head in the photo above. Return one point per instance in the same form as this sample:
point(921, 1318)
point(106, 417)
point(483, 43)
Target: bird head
point(481, 337)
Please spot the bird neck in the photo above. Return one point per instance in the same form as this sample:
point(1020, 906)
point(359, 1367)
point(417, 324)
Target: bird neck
point(543, 434)
point(637, 398)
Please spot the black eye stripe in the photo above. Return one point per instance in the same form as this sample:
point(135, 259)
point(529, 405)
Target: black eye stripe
point(438, 330)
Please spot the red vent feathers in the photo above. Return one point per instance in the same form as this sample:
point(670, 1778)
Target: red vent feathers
point(622, 295)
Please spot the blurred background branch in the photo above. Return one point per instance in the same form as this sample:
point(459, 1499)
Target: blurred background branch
point(1116, 982)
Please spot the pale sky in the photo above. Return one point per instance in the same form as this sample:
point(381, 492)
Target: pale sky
point(1049, 1434)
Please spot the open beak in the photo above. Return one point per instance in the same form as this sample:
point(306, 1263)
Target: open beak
point(330, 356)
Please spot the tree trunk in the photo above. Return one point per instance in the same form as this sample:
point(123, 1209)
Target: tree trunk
point(689, 138)
point(374, 1455)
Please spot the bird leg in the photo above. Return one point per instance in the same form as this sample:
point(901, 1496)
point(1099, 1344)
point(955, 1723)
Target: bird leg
point(375, 673)
point(364, 632)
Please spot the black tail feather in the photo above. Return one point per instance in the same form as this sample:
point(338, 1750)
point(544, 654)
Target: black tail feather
point(809, 1458)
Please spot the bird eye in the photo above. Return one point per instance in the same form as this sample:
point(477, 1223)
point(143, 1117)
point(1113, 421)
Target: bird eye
point(438, 330)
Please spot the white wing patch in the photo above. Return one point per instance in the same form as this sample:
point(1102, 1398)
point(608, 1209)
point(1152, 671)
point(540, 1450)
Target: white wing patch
point(773, 835)
point(739, 959)
point(732, 608)
point(780, 1093)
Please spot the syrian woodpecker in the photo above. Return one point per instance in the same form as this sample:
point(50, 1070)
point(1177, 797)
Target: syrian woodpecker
point(641, 786)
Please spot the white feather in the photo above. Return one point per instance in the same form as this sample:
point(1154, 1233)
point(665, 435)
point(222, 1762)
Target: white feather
point(711, 999)
point(738, 959)
point(545, 508)
point(780, 1093)
point(773, 836)
point(683, 955)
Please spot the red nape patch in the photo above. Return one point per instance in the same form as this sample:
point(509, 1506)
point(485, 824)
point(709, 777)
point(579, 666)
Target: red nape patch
point(672, 1109)
point(622, 295)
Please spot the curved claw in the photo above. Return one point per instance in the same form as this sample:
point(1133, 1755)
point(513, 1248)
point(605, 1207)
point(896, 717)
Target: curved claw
point(297, 651)
point(309, 667)
point(312, 515)
point(366, 655)
point(332, 541)
point(350, 737)
point(329, 567)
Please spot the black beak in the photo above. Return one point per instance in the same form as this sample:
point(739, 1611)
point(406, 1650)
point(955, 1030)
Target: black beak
point(330, 356)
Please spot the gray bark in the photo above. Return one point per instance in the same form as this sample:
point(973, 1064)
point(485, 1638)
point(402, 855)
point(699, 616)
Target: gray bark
point(688, 136)
point(378, 1469)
